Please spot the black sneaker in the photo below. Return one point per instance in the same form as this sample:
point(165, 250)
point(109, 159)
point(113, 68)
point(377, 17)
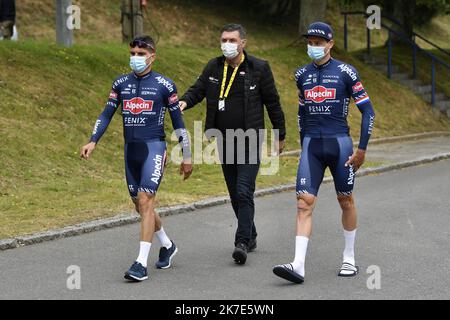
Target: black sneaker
point(252, 245)
point(240, 253)
point(165, 256)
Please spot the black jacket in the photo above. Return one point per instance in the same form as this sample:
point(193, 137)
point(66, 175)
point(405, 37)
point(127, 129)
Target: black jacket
point(259, 90)
point(7, 10)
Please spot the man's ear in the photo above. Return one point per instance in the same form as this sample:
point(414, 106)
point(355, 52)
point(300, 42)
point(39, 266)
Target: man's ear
point(152, 57)
point(244, 42)
point(331, 44)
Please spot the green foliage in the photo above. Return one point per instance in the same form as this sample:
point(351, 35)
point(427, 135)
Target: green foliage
point(428, 9)
point(422, 11)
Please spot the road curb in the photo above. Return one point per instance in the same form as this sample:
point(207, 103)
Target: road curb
point(409, 137)
point(8, 244)
point(129, 218)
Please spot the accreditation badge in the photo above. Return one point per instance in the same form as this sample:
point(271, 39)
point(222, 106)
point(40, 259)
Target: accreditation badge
point(221, 105)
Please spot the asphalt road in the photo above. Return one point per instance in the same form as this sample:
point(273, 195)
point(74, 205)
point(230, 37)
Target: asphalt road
point(404, 230)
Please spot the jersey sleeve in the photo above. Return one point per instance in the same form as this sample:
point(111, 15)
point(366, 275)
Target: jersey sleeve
point(298, 76)
point(301, 99)
point(298, 81)
point(362, 100)
point(105, 117)
point(356, 88)
point(173, 105)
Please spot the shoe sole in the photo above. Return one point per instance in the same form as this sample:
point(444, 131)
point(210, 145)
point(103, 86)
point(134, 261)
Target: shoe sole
point(288, 275)
point(349, 275)
point(134, 279)
point(239, 256)
point(170, 260)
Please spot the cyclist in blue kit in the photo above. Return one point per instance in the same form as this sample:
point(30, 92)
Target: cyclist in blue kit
point(325, 88)
point(144, 96)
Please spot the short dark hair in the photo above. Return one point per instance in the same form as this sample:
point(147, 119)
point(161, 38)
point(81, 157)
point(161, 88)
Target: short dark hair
point(151, 46)
point(234, 27)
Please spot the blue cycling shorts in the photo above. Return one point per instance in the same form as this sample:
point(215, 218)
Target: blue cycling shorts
point(144, 166)
point(320, 153)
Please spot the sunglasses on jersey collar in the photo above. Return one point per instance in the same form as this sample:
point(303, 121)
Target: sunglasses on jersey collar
point(141, 44)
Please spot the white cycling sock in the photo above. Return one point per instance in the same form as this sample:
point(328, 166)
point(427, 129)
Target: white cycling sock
point(163, 238)
point(301, 246)
point(349, 251)
point(144, 250)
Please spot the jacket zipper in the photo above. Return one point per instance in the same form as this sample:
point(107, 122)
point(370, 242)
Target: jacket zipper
point(138, 93)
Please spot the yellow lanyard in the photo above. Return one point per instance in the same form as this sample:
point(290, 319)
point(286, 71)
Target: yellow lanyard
point(224, 80)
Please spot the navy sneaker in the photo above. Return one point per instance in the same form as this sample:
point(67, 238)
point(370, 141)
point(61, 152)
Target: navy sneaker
point(165, 256)
point(137, 272)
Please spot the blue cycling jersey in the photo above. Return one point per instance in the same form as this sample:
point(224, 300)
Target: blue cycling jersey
point(325, 93)
point(144, 101)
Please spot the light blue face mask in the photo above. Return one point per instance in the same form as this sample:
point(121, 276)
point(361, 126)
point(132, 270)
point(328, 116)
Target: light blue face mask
point(316, 53)
point(138, 64)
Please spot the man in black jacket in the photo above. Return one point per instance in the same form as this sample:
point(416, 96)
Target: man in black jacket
point(7, 17)
point(237, 86)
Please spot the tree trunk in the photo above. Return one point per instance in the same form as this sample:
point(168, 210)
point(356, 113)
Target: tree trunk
point(278, 7)
point(311, 11)
point(132, 20)
point(403, 12)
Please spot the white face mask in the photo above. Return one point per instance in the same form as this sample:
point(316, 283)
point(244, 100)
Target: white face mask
point(138, 64)
point(230, 50)
point(316, 53)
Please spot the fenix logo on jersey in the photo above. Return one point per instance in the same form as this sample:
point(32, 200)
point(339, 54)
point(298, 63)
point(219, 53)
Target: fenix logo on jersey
point(319, 94)
point(120, 81)
point(345, 68)
point(134, 121)
point(137, 105)
point(165, 83)
point(97, 124)
point(299, 73)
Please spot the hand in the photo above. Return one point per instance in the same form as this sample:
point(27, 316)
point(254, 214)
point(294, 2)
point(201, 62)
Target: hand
point(356, 160)
point(144, 3)
point(86, 150)
point(279, 146)
point(186, 168)
point(166, 162)
point(183, 105)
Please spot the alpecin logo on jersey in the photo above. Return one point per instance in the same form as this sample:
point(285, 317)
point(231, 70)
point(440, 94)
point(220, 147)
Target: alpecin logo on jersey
point(319, 94)
point(137, 105)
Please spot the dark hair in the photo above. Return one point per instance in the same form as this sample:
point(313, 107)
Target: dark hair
point(144, 42)
point(234, 27)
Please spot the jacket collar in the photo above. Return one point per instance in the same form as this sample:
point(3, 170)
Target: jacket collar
point(246, 60)
point(326, 64)
point(143, 77)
